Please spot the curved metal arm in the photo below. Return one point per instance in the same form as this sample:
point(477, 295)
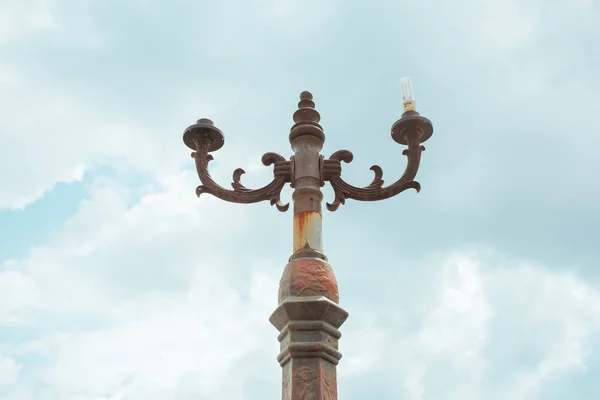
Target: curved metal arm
point(375, 191)
point(241, 194)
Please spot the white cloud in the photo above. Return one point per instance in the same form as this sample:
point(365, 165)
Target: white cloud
point(107, 233)
point(52, 137)
point(296, 18)
point(147, 340)
point(9, 371)
point(17, 293)
point(140, 294)
point(486, 312)
point(364, 347)
point(54, 133)
point(22, 17)
point(456, 329)
point(119, 318)
point(567, 309)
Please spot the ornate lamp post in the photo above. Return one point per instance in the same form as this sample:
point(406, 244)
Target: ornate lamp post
point(308, 316)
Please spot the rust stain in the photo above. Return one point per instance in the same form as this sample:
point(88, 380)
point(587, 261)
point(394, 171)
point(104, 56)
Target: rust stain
point(302, 224)
point(301, 220)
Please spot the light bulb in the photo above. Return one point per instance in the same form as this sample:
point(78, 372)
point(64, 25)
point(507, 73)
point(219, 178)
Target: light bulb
point(408, 99)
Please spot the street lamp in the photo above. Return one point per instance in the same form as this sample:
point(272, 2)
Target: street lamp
point(308, 316)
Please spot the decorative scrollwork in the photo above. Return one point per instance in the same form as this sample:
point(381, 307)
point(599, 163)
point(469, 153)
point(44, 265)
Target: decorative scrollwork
point(375, 190)
point(240, 193)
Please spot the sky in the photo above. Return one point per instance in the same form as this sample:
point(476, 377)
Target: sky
point(117, 283)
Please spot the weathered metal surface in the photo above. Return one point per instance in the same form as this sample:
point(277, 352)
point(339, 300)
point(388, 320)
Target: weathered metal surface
point(313, 379)
point(307, 230)
point(408, 124)
point(375, 190)
point(306, 138)
point(206, 128)
point(203, 138)
point(309, 337)
point(308, 316)
point(411, 129)
point(307, 120)
point(308, 277)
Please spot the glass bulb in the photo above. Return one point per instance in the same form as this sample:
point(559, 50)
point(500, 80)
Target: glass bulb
point(408, 98)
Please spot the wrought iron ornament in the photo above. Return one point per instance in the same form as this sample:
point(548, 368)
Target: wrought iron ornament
point(411, 129)
point(205, 138)
point(308, 316)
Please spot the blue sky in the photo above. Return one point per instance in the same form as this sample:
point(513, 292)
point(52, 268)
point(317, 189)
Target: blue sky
point(117, 283)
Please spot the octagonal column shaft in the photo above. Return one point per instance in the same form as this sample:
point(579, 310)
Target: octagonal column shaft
point(308, 315)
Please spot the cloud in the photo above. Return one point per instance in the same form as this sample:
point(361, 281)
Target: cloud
point(366, 343)
point(148, 292)
point(455, 330)
point(62, 126)
point(17, 293)
point(563, 312)
point(132, 299)
point(19, 18)
point(142, 326)
point(9, 372)
point(497, 329)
